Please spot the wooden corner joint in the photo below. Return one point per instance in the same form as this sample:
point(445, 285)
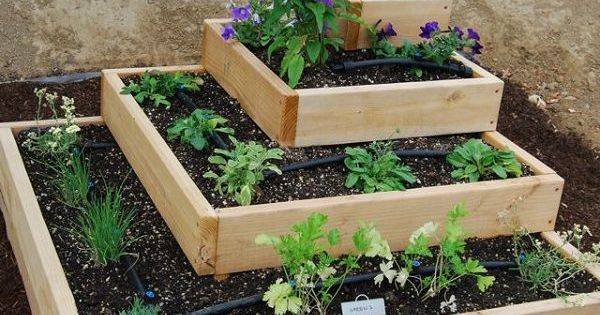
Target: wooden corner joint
point(289, 119)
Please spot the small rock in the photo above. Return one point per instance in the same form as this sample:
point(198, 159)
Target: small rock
point(537, 101)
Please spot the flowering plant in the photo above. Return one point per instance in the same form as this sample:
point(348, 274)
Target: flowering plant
point(314, 276)
point(56, 141)
point(449, 262)
point(299, 28)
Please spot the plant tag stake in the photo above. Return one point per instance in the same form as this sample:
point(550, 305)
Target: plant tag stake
point(364, 307)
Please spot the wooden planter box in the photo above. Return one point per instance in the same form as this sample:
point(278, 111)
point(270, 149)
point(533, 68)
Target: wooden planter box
point(45, 281)
point(321, 116)
point(221, 241)
point(406, 16)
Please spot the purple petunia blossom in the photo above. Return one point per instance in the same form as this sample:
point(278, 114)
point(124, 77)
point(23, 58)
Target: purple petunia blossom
point(429, 29)
point(473, 34)
point(458, 31)
point(240, 13)
point(476, 49)
point(328, 3)
point(387, 31)
point(227, 32)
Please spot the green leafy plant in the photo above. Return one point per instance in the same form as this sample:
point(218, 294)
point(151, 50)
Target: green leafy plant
point(302, 29)
point(72, 181)
point(195, 128)
point(544, 268)
point(242, 169)
point(158, 86)
point(376, 169)
point(139, 308)
point(313, 275)
point(475, 159)
point(102, 227)
point(57, 141)
point(450, 266)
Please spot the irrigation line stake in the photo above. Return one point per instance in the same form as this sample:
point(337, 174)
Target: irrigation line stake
point(256, 298)
point(338, 158)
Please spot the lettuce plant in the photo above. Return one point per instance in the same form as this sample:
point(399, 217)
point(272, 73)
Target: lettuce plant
point(475, 159)
point(313, 275)
point(450, 264)
point(157, 87)
point(196, 128)
point(302, 29)
point(376, 169)
point(242, 169)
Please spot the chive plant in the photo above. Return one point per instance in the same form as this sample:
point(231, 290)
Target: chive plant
point(73, 181)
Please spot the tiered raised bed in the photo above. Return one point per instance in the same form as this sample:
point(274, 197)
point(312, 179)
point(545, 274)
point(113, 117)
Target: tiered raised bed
point(222, 240)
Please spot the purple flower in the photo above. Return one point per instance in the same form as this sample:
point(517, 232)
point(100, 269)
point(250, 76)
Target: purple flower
point(386, 32)
point(458, 31)
point(473, 34)
point(328, 3)
point(429, 29)
point(476, 49)
point(227, 32)
point(240, 13)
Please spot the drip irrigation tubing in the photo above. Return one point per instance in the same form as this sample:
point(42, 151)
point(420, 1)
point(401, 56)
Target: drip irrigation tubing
point(338, 158)
point(462, 70)
point(256, 298)
point(189, 102)
point(135, 280)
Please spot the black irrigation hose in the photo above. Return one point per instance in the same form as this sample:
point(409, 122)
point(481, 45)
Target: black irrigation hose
point(338, 158)
point(97, 145)
point(134, 279)
point(462, 70)
point(189, 102)
point(256, 298)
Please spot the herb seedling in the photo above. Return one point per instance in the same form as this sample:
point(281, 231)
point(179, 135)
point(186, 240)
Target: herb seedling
point(102, 227)
point(544, 268)
point(475, 159)
point(376, 169)
point(450, 266)
point(157, 87)
point(242, 169)
point(73, 181)
point(313, 275)
point(139, 308)
point(299, 28)
point(195, 128)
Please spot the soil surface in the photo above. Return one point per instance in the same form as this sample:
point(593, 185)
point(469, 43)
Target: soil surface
point(323, 181)
point(528, 126)
point(165, 269)
point(318, 77)
point(18, 101)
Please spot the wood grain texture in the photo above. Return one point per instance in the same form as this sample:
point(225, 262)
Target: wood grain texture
point(269, 101)
point(399, 110)
point(396, 215)
point(188, 214)
point(17, 126)
point(43, 276)
point(406, 16)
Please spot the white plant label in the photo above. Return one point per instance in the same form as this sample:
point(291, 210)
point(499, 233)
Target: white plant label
point(364, 307)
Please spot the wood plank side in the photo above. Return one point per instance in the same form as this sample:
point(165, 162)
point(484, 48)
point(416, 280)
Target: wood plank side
point(406, 16)
point(558, 306)
point(376, 112)
point(396, 214)
point(17, 126)
point(43, 276)
point(134, 71)
point(499, 141)
point(188, 214)
point(264, 96)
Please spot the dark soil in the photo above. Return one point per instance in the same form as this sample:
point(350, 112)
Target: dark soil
point(319, 77)
point(18, 102)
point(324, 181)
point(165, 269)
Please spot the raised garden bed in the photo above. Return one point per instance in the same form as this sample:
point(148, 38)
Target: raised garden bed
point(221, 240)
point(405, 15)
point(60, 280)
point(334, 115)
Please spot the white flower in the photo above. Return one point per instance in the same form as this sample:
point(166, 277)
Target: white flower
point(72, 129)
point(402, 277)
point(387, 272)
point(52, 145)
point(450, 305)
point(32, 135)
point(428, 229)
point(326, 273)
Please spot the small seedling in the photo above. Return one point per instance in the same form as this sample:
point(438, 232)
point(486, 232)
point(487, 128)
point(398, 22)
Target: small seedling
point(102, 227)
point(242, 169)
point(475, 159)
point(158, 87)
point(376, 169)
point(196, 128)
point(139, 308)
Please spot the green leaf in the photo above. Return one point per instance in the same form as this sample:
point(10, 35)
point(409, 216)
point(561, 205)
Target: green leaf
point(244, 198)
point(295, 69)
point(313, 48)
point(500, 171)
point(334, 237)
point(484, 282)
point(268, 240)
point(351, 180)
